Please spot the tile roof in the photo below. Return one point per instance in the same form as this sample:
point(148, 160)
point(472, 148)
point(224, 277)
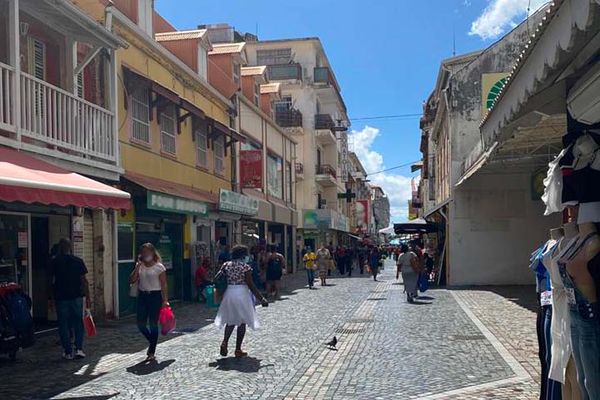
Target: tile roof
point(180, 35)
point(227, 48)
point(250, 71)
point(270, 88)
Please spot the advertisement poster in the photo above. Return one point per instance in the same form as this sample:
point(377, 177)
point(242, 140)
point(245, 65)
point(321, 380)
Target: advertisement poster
point(251, 169)
point(362, 215)
point(77, 239)
point(166, 252)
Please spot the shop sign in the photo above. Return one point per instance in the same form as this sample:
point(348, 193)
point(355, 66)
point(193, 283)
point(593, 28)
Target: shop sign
point(165, 202)
point(340, 223)
point(165, 250)
point(317, 219)
point(237, 203)
point(251, 167)
point(361, 212)
point(22, 239)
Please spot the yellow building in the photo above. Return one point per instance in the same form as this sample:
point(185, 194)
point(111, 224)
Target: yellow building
point(175, 144)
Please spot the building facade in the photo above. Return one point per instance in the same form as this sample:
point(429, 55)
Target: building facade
point(312, 111)
point(59, 148)
point(475, 215)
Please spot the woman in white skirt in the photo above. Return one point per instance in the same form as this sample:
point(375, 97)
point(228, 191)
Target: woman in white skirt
point(237, 306)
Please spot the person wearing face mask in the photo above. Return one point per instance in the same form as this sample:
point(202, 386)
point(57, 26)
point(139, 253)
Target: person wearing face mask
point(151, 277)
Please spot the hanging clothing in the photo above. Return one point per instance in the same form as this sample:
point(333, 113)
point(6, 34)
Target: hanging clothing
point(585, 326)
point(560, 326)
point(553, 186)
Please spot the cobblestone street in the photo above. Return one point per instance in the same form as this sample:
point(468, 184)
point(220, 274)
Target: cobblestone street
point(463, 344)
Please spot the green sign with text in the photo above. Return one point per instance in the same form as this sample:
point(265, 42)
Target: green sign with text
point(165, 202)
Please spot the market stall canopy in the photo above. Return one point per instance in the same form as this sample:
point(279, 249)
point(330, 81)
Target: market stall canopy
point(387, 231)
point(418, 225)
point(29, 180)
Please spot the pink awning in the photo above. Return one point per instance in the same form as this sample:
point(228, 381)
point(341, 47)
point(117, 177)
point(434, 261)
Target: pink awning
point(27, 179)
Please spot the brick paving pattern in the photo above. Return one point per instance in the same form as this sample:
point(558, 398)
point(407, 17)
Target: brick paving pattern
point(456, 345)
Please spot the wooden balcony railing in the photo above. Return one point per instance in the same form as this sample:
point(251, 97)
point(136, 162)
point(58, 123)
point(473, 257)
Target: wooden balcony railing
point(59, 118)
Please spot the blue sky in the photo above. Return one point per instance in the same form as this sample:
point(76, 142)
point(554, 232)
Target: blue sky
point(385, 53)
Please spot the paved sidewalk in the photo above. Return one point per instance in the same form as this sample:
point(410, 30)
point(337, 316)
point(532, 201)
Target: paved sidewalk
point(453, 345)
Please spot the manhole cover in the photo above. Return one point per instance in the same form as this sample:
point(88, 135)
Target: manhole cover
point(467, 337)
point(349, 331)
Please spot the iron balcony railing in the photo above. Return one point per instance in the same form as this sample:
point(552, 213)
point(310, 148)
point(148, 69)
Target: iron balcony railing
point(326, 169)
point(280, 72)
point(324, 121)
point(288, 118)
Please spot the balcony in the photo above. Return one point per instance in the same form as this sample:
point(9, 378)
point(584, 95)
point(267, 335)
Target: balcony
point(323, 129)
point(284, 72)
point(323, 76)
point(326, 175)
point(299, 171)
point(63, 115)
point(288, 118)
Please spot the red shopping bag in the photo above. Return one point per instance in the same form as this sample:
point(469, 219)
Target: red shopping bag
point(88, 324)
point(166, 318)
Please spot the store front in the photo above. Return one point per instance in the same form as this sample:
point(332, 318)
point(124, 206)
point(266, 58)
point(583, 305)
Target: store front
point(42, 204)
point(168, 219)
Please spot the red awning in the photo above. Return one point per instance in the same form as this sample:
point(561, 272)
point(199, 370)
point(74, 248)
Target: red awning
point(171, 188)
point(29, 180)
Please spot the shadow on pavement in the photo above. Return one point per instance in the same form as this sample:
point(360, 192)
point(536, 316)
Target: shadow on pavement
point(147, 368)
point(246, 364)
point(523, 296)
point(103, 397)
point(425, 298)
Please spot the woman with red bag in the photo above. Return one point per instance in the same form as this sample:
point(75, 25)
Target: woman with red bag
point(151, 278)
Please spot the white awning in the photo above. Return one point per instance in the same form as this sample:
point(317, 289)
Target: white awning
point(481, 161)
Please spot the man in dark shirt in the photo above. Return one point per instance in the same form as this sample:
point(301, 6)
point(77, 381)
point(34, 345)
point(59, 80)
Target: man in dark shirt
point(70, 286)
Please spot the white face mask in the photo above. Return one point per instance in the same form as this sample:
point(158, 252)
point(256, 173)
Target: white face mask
point(149, 258)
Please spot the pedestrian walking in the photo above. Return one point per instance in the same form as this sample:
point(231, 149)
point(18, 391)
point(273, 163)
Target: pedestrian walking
point(349, 260)
point(238, 305)
point(340, 259)
point(408, 265)
point(151, 278)
point(309, 260)
point(323, 263)
point(374, 261)
point(275, 267)
point(68, 275)
point(201, 280)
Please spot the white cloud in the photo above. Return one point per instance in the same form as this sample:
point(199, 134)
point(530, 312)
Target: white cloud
point(396, 187)
point(501, 15)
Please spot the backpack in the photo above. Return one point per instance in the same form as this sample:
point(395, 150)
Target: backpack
point(19, 307)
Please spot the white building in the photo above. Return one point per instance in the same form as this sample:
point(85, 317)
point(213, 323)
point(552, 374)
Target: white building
point(312, 110)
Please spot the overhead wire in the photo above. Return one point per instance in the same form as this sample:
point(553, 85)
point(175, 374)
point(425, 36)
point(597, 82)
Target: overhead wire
point(392, 168)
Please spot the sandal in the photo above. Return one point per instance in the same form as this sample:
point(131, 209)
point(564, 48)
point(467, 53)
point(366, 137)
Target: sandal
point(150, 358)
point(223, 351)
point(240, 354)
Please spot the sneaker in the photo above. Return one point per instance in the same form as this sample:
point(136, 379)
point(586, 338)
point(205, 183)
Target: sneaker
point(67, 356)
point(79, 354)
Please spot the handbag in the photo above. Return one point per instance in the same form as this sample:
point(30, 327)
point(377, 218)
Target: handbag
point(133, 289)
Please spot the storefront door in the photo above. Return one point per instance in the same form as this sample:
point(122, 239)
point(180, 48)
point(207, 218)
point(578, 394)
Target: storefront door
point(15, 250)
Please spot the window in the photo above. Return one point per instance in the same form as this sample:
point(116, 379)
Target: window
point(236, 73)
point(80, 85)
point(37, 58)
point(275, 176)
point(202, 63)
point(285, 104)
point(140, 114)
point(168, 126)
point(201, 147)
point(289, 183)
point(274, 56)
point(125, 238)
point(257, 92)
point(219, 145)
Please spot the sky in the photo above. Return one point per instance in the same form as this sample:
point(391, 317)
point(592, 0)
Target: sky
point(385, 54)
